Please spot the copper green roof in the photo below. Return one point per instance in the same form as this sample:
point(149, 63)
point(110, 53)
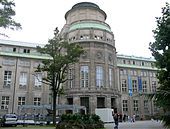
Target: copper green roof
point(136, 67)
point(20, 43)
point(85, 4)
point(135, 58)
point(88, 25)
point(26, 55)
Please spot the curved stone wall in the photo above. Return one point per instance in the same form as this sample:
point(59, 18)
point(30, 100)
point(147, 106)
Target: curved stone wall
point(86, 25)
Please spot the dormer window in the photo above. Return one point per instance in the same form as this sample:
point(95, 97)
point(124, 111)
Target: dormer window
point(14, 49)
point(142, 63)
point(26, 50)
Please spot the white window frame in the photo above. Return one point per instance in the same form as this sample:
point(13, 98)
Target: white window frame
point(38, 80)
point(84, 76)
point(144, 86)
point(7, 78)
point(124, 85)
point(134, 86)
point(135, 105)
point(154, 86)
point(4, 102)
point(70, 78)
point(99, 76)
point(23, 79)
point(37, 101)
point(125, 105)
point(110, 77)
point(21, 101)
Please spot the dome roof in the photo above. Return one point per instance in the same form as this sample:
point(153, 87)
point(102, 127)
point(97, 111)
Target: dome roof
point(85, 4)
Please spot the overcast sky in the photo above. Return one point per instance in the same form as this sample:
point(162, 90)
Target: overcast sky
point(131, 21)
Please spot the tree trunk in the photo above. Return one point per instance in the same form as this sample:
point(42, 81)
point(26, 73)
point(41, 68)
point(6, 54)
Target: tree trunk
point(54, 107)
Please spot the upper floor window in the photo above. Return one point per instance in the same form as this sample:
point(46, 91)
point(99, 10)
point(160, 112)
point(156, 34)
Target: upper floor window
point(123, 71)
point(124, 85)
point(26, 51)
point(99, 76)
point(38, 80)
point(142, 63)
point(7, 79)
point(124, 61)
point(23, 79)
point(133, 72)
point(14, 49)
point(154, 86)
point(134, 86)
point(84, 76)
point(110, 77)
point(70, 78)
point(143, 73)
point(144, 86)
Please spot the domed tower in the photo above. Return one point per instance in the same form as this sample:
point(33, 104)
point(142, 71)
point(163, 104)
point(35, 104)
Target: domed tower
point(94, 83)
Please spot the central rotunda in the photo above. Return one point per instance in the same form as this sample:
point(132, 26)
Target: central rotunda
point(93, 80)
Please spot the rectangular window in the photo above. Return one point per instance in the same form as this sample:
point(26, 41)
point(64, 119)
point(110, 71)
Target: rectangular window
point(37, 101)
point(124, 85)
point(100, 102)
point(5, 102)
point(7, 79)
point(144, 86)
point(125, 105)
point(84, 101)
point(133, 72)
point(99, 76)
point(153, 86)
point(123, 72)
point(84, 76)
point(135, 105)
point(134, 86)
point(145, 103)
point(70, 78)
point(23, 79)
point(110, 77)
point(14, 49)
point(26, 51)
point(38, 80)
point(21, 101)
point(143, 73)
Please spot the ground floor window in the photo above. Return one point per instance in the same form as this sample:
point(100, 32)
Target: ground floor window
point(4, 102)
point(100, 102)
point(84, 101)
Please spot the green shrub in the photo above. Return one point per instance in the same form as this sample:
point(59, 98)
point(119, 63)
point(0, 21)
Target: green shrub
point(78, 121)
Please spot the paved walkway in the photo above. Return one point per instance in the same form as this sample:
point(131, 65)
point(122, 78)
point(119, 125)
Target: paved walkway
point(137, 125)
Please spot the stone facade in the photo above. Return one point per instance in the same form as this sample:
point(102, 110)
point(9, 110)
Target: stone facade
point(85, 25)
point(101, 78)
